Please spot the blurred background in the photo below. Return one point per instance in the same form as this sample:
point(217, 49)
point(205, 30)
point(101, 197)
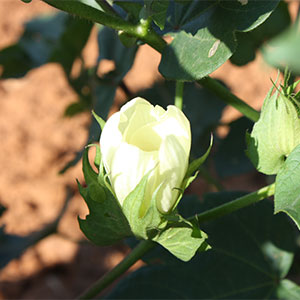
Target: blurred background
point(38, 139)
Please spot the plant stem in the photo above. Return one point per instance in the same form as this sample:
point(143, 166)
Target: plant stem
point(118, 270)
point(222, 92)
point(149, 36)
point(236, 204)
point(179, 94)
point(145, 246)
point(93, 14)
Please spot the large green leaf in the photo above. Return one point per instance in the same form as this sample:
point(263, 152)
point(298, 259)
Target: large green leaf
point(288, 290)
point(183, 239)
point(287, 188)
point(46, 38)
point(204, 37)
point(252, 251)
point(71, 42)
point(249, 42)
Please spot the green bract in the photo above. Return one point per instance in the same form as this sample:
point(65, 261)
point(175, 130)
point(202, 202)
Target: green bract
point(274, 146)
point(143, 171)
point(276, 134)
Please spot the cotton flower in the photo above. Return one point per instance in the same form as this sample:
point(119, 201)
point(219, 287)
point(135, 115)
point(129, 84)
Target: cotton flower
point(144, 139)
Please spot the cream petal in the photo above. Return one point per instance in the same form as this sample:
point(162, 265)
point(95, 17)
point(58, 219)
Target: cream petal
point(146, 138)
point(110, 140)
point(174, 122)
point(134, 114)
point(172, 168)
point(128, 167)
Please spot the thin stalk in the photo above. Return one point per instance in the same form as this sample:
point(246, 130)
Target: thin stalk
point(236, 204)
point(222, 92)
point(118, 270)
point(179, 94)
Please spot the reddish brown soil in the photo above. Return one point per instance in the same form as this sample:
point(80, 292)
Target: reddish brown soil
point(37, 141)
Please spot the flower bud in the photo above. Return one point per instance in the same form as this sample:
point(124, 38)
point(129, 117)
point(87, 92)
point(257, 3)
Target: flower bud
point(276, 134)
point(141, 139)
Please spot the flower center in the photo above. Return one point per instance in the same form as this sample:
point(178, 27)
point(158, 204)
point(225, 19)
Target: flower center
point(145, 138)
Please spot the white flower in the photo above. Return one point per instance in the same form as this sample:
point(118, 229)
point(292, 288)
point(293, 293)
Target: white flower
point(140, 138)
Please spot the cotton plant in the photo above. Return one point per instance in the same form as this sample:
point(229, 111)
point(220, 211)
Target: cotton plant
point(218, 247)
point(144, 168)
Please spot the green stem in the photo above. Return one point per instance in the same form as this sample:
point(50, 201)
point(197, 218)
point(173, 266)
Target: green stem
point(222, 92)
point(179, 94)
point(93, 14)
point(145, 246)
point(149, 36)
point(236, 204)
point(118, 270)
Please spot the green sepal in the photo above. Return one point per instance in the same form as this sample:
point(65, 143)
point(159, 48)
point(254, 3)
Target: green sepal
point(287, 187)
point(99, 120)
point(144, 221)
point(276, 133)
point(97, 159)
point(194, 166)
point(90, 176)
point(106, 224)
point(182, 238)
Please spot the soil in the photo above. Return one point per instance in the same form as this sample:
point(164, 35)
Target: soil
point(37, 141)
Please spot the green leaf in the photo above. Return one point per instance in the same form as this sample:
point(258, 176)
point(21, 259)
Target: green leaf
point(288, 290)
point(71, 42)
point(76, 108)
point(204, 54)
point(182, 239)
point(249, 42)
point(230, 157)
point(287, 187)
point(133, 9)
point(159, 8)
point(282, 51)
point(144, 221)
point(111, 48)
point(275, 134)
point(106, 224)
point(252, 251)
point(208, 28)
